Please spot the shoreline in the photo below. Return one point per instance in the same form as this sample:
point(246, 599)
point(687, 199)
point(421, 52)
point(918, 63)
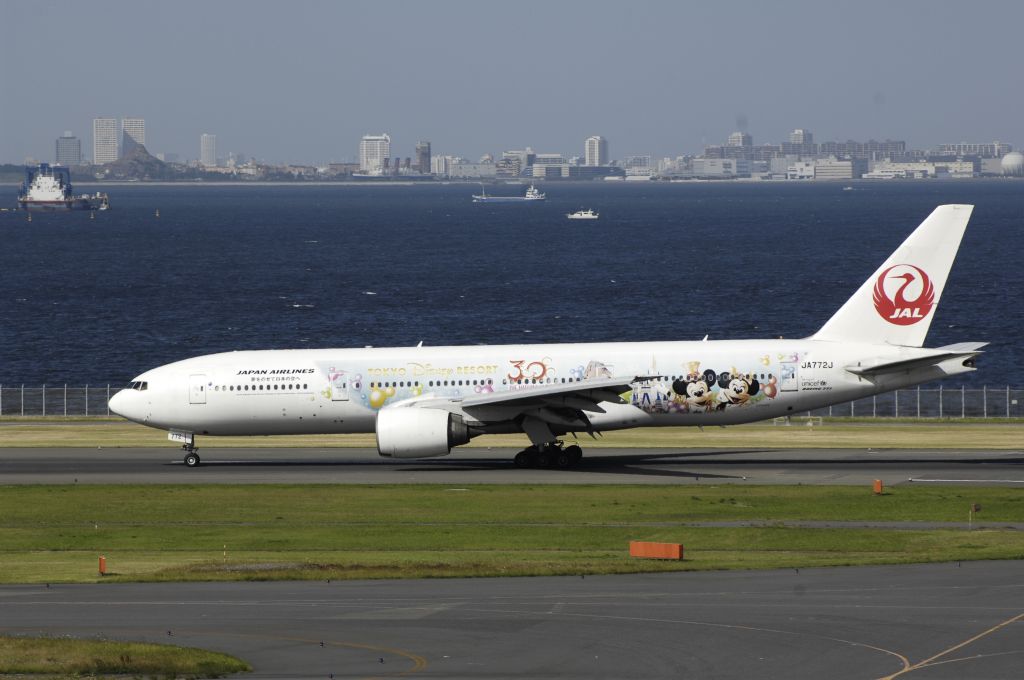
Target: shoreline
point(527, 181)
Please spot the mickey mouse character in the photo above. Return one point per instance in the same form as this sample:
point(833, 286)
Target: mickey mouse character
point(695, 389)
point(737, 389)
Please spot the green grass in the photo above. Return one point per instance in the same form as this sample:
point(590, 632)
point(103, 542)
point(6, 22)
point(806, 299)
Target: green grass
point(69, 657)
point(153, 533)
point(881, 433)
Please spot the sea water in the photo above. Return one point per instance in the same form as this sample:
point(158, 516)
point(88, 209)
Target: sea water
point(99, 299)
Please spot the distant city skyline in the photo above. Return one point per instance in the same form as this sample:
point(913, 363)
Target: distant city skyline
point(303, 82)
point(739, 156)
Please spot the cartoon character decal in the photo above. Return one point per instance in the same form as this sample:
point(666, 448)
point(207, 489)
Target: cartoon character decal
point(695, 390)
point(702, 390)
point(736, 389)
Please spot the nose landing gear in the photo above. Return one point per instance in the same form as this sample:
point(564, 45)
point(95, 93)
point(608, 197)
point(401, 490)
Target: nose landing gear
point(551, 455)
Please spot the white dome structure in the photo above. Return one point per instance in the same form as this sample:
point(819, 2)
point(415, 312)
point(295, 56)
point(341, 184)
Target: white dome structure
point(1013, 164)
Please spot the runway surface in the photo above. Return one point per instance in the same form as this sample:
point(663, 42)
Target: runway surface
point(494, 466)
point(931, 621)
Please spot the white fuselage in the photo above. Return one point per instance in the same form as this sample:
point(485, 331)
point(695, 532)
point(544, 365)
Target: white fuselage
point(341, 390)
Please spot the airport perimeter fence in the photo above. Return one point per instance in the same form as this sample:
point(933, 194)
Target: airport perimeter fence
point(984, 402)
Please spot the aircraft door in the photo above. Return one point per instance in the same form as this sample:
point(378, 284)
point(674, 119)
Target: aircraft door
point(789, 380)
point(197, 389)
point(339, 384)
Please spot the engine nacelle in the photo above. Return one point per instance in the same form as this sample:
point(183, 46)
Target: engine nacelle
point(410, 432)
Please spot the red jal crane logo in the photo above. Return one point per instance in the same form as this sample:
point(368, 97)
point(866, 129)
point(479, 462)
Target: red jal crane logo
point(897, 309)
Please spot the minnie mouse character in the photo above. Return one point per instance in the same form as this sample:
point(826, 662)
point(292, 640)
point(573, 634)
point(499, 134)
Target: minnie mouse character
point(737, 389)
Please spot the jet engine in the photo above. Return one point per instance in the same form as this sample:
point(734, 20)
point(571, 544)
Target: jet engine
point(411, 432)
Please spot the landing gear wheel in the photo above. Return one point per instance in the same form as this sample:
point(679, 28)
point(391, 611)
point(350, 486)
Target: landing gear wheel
point(563, 459)
point(191, 459)
point(575, 453)
point(523, 459)
point(544, 458)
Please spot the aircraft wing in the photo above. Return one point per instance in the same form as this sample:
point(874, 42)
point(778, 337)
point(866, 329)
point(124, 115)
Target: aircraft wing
point(935, 356)
point(585, 394)
point(562, 404)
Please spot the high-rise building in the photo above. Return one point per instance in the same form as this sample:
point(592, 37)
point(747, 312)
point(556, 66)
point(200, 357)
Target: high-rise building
point(208, 150)
point(104, 140)
point(373, 150)
point(69, 150)
point(801, 143)
point(740, 139)
point(133, 134)
point(595, 151)
point(801, 136)
point(423, 157)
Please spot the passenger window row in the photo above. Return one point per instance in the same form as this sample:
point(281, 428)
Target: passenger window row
point(432, 383)
point(259, 388)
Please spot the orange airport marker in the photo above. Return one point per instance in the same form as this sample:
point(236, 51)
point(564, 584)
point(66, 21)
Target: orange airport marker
point(656, 551)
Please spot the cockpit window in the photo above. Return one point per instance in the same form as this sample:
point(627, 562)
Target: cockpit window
point(138, 385)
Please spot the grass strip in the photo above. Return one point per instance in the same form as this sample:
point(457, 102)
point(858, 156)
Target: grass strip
point(938, 434)
point(71, 657)
point(55, 534)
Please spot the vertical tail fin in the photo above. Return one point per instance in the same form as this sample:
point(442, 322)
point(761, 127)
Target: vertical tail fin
point(897, 304)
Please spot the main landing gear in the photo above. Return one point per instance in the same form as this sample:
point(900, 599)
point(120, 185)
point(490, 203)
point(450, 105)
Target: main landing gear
point(551, 455)
point(191, 457)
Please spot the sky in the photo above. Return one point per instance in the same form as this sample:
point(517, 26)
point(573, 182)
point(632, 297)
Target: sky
point(301, 81)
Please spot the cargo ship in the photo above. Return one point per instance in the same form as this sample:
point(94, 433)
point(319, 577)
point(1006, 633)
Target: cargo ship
point(532, 194)
point(49, 188)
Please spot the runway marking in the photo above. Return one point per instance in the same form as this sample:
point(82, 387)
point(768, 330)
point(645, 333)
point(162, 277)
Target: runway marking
point(975, 657)
point(963, 481)
point(927, 662)
point(708, 624)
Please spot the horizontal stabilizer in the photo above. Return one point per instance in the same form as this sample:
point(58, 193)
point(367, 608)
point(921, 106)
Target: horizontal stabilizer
point(933, 357)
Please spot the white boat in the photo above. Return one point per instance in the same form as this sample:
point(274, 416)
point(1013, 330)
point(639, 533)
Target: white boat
point(532, 194)
point(582, 215)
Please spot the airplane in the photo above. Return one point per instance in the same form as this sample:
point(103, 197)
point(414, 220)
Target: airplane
point(423, 401)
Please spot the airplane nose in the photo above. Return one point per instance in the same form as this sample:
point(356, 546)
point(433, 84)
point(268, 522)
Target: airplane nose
point(119, 404)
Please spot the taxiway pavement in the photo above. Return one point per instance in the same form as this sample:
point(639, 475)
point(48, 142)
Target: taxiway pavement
point(929, 621)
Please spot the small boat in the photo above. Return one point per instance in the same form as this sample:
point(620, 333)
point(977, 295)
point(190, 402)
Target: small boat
point(582, 215)
point(532, 194)
point(847, 188)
